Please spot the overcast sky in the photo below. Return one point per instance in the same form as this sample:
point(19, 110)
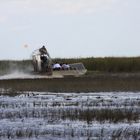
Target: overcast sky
point(69, 28)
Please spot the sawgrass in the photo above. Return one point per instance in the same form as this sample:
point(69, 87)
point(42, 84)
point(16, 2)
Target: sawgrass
point(107, 64)
point(104, 74)
point(53, 114)
point(98, 83)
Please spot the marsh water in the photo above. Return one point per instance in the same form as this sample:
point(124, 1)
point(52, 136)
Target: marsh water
point(69, 116)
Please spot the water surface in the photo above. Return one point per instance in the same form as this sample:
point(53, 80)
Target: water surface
point(70, 116)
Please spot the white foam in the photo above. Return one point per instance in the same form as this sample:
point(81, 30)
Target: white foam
point(22, 75)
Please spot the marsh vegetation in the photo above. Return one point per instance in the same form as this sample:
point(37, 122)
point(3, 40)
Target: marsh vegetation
point(107, 64)
point(86, 108)
point(43, 115)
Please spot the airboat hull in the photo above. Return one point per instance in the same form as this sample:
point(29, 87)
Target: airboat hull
point(43, 65)
point(64, 73)
point(76, 69)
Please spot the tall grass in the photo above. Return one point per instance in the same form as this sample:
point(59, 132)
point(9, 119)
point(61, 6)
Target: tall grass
point(50, 116)
point(107, 64)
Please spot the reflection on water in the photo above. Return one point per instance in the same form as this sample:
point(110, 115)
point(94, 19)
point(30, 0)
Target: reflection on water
point(62, 116)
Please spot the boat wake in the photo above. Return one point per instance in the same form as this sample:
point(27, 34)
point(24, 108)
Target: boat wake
point(23, 75)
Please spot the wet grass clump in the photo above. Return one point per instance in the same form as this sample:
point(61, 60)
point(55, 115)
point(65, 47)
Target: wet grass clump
point(36, 115)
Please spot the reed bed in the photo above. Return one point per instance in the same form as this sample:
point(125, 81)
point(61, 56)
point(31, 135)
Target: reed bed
point(95, 83)
point(89, 115)
point(106, 64)
point(36, 115)
point(128, 133)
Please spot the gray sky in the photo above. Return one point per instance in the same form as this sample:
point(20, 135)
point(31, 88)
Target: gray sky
point(69, 28)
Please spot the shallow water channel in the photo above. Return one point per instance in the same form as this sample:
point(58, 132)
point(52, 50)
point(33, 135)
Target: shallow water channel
point(70, 116)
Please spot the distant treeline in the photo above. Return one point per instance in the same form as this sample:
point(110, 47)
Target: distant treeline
point(107, 64)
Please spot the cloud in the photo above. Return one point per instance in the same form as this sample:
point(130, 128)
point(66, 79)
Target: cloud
point(3, 19)
point(20, 28)
point(56, 6)
point(73, 6)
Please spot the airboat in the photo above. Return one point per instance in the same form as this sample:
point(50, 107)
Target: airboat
point(43, 64)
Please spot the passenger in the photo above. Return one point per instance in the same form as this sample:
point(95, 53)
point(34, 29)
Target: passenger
point(44, 59)
point(44, 63)
point(65, 67)
point(68, 66)
point(57, 66)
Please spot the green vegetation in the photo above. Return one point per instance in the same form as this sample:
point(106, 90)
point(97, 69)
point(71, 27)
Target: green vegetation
point(107, 64)
point(92, 83)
